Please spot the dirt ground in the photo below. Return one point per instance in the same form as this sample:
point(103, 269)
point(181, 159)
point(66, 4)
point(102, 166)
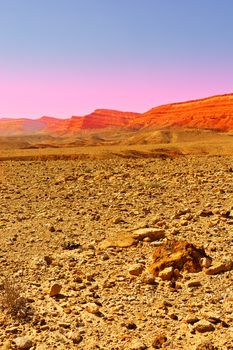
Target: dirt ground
point(63, 222)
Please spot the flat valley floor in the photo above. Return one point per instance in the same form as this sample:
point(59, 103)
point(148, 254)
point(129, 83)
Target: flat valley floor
point(57, 218)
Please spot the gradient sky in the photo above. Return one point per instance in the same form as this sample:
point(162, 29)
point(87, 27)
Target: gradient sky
point(69, 57)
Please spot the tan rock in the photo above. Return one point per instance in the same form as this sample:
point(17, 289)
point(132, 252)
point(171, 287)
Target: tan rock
point(219, 268)
point(205, 262)
point(23, 343)
point(120, 240)
point(158, 341)
point(152, 233)
point(206, 346)
point(6, 346)
point(92, 308)
point(166, 274)
point(203, 326)
point(180, 255)
point(136, 269)
point(137, 345)
point(147, 278)
point(55, 290)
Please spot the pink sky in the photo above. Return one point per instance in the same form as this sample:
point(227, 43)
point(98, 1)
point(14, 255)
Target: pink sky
point(33, 94)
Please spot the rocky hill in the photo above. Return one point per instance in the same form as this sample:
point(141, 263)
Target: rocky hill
point(212, 113)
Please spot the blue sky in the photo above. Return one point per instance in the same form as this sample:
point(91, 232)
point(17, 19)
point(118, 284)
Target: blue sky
point(63, 57)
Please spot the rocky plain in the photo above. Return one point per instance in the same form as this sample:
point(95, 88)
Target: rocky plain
point(77, 243)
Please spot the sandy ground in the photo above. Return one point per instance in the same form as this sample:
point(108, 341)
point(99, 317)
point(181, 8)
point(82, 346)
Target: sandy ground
point(56, 219)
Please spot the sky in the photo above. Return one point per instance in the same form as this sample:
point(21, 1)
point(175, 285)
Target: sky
point(69, 57)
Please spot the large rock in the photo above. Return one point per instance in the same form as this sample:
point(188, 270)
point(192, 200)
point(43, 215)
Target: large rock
point(149, 232)
point(176, 255)
point(219, 267)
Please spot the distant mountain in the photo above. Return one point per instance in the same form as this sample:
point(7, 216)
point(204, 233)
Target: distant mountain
point(212, 113)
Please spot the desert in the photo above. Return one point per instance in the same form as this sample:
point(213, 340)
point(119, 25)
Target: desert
point(115, 237)
point(77, 238)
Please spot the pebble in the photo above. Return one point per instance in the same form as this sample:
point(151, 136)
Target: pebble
point(23, 343)
point(166, 274)
point(203, 327)
point(219, 268)
point(158, 341)
point(55, 290)
point(137, 345)
point(136, 269)
point(152, 233)
point(92, 308)
point(194, 283)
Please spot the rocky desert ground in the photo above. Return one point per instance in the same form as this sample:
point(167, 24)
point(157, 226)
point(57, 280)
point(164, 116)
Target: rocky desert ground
point(77, 239)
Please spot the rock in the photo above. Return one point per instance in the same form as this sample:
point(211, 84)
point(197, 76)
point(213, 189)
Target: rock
point(6, 346)
point(152, 233)
point(205, 262)
point(23, 343)
point(52, 228)
point(219, 268)
point(147, 278)
point(191, 319)
point(158, 341)
point(92, 308)
point(71, 245)
point(120, 240)
point(206, 346)
point(203, 326)
point(194, 283)
point(180, 255)
point(76, 337)
point(136, 269)
point(131, 325)
point(137, 345)
point(166, 274)
point(55, 290)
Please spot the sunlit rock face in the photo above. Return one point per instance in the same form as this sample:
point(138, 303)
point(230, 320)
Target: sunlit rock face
point(107, 118)
point(214, 113)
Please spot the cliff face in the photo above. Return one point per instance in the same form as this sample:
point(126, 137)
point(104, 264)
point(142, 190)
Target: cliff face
point(214, 113)
point(107, 118)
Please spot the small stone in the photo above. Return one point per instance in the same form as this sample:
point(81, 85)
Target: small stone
point(13, 330)
point(105, 257)
point(203, 327)
point(52, 228)
point(92, 308)
point(191, 319)
point(55, 290)
point(166, 274)
point(23, 343)
point(76, 337)
point(205, 262)
point(137, 345)
point(206, 346)
point(147, 278)
point(219, 268)
point(131, 325)
point(158, 341)
point(136, 269)
point(119, 220)
point(152, 233)
point(71, 245)
point(194, 283)
point(6, 346)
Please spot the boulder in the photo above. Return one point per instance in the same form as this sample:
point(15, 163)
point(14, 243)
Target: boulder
point(176, 256)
